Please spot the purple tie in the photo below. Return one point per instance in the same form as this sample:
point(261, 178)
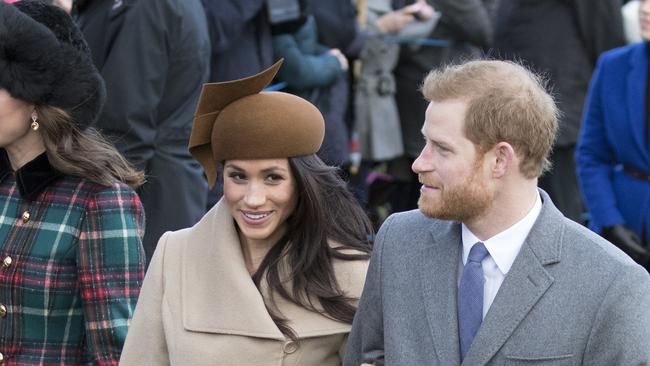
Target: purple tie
point(470, 297)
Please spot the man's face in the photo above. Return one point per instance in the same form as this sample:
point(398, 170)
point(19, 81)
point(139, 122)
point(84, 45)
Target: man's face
point(454, 179)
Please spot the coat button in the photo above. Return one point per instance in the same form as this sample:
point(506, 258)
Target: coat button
point(3, 311)
point(26, 216)
point(290, 347)
point(7, 262)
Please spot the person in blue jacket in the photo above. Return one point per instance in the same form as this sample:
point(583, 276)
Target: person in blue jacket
point(613, 152)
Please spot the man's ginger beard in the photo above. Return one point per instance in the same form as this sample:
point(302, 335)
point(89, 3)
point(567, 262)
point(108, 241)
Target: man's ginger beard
point(461, 202)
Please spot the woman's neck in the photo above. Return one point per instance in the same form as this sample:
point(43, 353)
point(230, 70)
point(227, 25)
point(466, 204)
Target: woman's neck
point(25, 150)
point(255, 250)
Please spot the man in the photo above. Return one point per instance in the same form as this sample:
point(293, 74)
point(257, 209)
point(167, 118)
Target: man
point(545, 34)
point(488, 271)
point(154, 56)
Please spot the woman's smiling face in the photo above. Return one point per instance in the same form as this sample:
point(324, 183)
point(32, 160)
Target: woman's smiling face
point(261, 194)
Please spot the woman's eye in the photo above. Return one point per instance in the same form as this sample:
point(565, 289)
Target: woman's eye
point(274, 178)
point(237, 176)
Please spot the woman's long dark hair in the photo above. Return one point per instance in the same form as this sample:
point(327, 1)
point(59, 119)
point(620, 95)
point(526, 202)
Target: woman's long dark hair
point(326, 213)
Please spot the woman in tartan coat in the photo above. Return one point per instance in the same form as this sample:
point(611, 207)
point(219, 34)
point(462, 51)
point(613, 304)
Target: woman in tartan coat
point(71, 257)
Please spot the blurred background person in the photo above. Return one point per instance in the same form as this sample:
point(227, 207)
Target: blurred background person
point(272, 274)
point(376, 116)
point(317, 73)
point(240, 35)
point(562, 40)
point(468, 26)
point(613, 153)
point(154, 56)
point(630, 13)
point(71, 229)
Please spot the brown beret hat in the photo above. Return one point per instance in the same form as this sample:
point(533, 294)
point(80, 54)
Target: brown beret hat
point(236, 120)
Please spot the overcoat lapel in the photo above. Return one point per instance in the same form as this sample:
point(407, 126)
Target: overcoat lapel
point(438, 270)
point(635, 88)
point(523, 286)
point(219, 296)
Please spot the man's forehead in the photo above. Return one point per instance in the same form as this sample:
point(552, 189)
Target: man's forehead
point(445, 117)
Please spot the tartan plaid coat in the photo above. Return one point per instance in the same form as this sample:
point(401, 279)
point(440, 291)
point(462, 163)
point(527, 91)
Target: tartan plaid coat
point(71, 266)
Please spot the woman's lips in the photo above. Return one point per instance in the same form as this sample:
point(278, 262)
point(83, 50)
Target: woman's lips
point(256, 217)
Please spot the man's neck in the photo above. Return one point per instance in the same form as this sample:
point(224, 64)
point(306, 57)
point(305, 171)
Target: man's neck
point(508, 208)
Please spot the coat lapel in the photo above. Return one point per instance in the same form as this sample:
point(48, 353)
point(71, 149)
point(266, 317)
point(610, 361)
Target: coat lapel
point(523, 286)
point(219, 295)
point(438, 270)
point(636, 84)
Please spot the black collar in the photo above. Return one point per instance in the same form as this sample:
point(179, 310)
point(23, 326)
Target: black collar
point(33, 177)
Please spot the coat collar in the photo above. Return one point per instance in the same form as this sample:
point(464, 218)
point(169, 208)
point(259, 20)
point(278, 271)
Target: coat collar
point(219, 296)
point(522, 288)
point(33, 177)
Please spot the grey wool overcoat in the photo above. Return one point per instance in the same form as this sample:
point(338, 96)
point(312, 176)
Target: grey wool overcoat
point(570, 298)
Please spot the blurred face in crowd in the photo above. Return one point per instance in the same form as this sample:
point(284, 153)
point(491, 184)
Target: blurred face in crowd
point(261, 195)
point(15, 118)
point(454, 180)
point(644, 19)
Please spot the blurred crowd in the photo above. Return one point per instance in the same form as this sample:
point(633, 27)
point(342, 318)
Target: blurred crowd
point(361, 63)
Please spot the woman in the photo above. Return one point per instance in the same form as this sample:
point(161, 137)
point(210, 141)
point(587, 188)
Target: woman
point(70, 225)
point(272, 273)
point(613, 152)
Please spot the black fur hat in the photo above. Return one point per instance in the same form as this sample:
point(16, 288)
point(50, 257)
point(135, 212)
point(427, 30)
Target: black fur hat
point(45, 60)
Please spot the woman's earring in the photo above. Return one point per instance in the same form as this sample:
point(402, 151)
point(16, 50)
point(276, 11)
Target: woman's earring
point(35, 124)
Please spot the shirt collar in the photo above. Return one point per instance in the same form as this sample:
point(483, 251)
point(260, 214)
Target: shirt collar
point(33, 177)
point(504, 246)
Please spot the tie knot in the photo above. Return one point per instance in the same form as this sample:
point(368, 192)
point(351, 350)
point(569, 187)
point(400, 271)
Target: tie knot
point(477, 253)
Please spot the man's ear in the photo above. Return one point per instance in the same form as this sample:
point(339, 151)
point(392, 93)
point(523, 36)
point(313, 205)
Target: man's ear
point(505, 159)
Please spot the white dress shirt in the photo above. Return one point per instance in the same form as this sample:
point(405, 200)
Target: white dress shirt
point(503, 248)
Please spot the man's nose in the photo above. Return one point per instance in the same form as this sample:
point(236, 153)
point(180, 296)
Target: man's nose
point(423, 162)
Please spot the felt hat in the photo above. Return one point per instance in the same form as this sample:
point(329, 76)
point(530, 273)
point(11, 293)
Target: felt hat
point(237, 120)
point(45, 60)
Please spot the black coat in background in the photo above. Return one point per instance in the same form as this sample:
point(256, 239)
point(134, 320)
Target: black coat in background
point(337, 26)
point(561, 39)
point(154, 57)
point(240, 36)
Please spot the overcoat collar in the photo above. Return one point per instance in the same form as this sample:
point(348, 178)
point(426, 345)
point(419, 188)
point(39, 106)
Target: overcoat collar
point(219, 296)
point(522, 288)
point(33, 177)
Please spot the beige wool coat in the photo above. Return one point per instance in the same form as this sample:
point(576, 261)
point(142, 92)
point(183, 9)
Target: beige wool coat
point(199, 306)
